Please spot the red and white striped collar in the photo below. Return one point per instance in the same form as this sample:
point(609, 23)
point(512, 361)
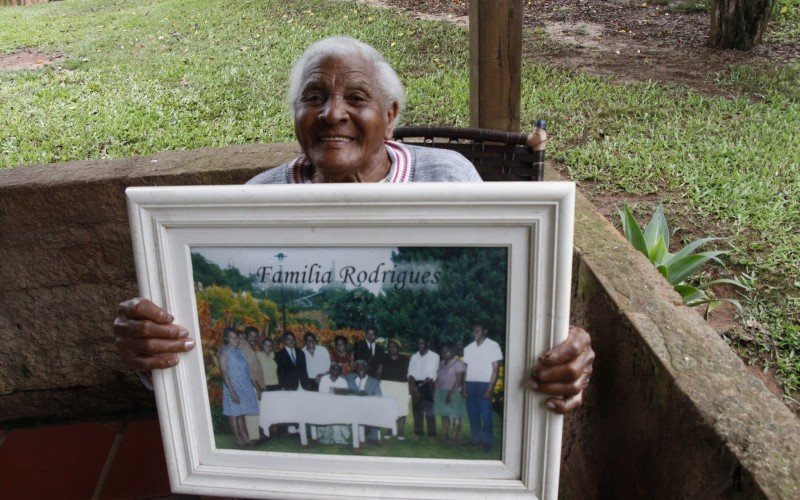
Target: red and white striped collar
point(300, 170)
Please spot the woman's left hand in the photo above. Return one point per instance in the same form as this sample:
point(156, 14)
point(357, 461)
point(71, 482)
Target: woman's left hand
point(564, 371)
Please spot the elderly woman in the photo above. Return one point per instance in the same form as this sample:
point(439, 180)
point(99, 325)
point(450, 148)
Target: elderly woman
point(346, 98)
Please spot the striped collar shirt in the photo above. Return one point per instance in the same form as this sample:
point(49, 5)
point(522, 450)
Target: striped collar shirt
point(400, 171)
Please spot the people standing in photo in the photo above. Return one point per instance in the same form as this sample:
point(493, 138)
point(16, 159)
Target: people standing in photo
point(422, 370)
point(292, 371)
point(318, 360)
point(334, 383)
point(483, 358)
point(238, 392)
point(370, 351)
point(342, 356)
point(249, 348)
point(448, 401)
point(266, 357)
point(394, 381)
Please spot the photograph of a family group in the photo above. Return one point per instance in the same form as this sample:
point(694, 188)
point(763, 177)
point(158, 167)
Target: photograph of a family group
point(380, 351)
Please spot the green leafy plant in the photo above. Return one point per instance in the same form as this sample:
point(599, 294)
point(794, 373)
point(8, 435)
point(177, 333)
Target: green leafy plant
point(677, 267)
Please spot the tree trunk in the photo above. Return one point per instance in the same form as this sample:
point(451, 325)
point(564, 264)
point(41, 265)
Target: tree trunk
point(738, 24)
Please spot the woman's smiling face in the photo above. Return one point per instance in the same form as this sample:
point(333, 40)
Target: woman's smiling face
point(341, 119)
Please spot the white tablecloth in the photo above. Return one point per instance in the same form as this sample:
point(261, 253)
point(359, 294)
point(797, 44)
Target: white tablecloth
point(315, 408)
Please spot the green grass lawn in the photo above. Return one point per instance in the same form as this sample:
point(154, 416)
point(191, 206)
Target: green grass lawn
point(141, 77)
point(411, 447)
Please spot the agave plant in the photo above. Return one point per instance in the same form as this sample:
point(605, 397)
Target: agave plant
point(677, 267)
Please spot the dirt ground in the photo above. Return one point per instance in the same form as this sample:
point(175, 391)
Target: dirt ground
point(629, 40)
point(25, 59)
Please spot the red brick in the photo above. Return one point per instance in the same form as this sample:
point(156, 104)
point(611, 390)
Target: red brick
point(139, 469)
point(55, 462)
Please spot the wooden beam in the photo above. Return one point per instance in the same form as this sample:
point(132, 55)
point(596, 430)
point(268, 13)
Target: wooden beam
point(495, 55)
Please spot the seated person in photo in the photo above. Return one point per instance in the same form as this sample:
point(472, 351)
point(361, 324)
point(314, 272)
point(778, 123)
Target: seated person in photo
point(292, 372)
point(394, 381)
point(422, 369)
point(362, 384)
point(334, 383)
point(345, 98)
point(448, 402)
point(370, 351)
point(318, 360)
point(266, 357)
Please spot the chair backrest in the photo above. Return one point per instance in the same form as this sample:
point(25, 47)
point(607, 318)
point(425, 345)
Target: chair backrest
point(497, 155)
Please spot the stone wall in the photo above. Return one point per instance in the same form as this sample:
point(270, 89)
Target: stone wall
point(671, 411)
point(67, 259)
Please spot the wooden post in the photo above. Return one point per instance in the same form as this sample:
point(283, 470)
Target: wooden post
point(495, 60)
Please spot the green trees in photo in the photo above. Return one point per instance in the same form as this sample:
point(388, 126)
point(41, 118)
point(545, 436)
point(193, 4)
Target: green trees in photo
point(472, 287)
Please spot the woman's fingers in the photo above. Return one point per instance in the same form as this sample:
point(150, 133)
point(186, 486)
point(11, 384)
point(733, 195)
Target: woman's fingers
point(151, 354)
point(146, 338)
point(563, 389)
point(564, 373)
point(565, 405)
point(134, 328)
point(153, 346)
point(577, 341)
point(141, 308)
point(147, 363)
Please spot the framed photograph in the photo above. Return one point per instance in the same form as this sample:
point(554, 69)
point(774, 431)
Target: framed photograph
point(358, 341)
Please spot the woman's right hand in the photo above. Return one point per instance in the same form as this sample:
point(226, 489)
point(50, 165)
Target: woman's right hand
point(146, 338)
point(234, 397)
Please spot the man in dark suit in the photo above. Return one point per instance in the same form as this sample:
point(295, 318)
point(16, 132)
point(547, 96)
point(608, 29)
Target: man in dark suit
point(370, 351)
point(291, 363)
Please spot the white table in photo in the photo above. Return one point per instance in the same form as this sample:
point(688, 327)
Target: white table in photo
point(313, 408)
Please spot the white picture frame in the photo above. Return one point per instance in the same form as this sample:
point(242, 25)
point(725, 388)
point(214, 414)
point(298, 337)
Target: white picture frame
point(534, 221)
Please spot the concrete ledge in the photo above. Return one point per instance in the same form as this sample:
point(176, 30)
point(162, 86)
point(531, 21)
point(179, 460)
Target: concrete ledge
point(671, 410)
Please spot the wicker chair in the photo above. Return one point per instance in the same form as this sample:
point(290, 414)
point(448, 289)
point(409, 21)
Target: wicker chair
point(497, 155)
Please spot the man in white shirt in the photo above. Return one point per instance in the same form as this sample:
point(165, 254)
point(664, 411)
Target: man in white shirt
point(318, 360)
point(483, 358)
point(422, 368)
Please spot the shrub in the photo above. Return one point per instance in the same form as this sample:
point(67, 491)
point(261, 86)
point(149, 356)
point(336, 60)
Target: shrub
point(677, 267)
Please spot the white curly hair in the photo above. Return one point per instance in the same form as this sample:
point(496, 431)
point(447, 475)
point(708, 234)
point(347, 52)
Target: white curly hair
point(340, 46)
